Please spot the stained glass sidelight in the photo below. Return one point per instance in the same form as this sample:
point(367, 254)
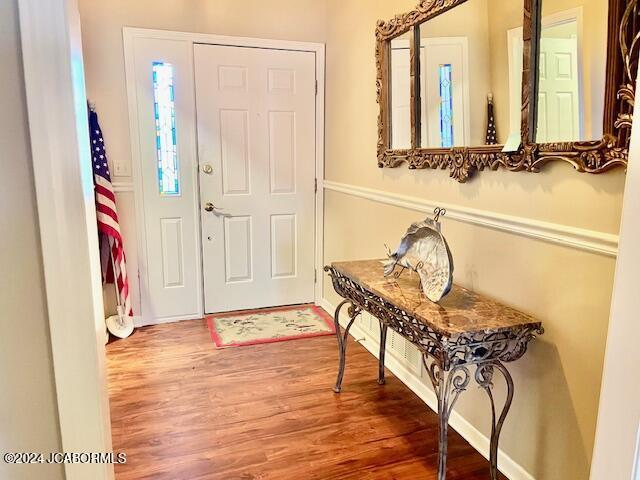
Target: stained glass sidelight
point(446, 107)
point(165, 116)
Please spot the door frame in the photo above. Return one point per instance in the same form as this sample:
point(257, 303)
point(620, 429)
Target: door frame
point(616, 450)
point(131, 33)
point(62, 170)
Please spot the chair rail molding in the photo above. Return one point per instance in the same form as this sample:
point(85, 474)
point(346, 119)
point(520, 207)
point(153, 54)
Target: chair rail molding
point(579, 238)
point(123, 186)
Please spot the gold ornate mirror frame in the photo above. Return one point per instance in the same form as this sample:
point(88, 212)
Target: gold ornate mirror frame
point(595, 156)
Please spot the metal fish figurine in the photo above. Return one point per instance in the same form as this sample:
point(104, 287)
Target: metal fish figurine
point(424, 250)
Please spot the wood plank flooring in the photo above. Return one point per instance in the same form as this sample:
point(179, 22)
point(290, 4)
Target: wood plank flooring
point(181, 409)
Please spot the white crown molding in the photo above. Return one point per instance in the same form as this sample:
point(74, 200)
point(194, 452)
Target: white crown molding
point(579, 238)
point(402, 371)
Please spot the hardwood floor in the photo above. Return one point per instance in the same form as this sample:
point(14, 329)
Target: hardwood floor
point(181, 409)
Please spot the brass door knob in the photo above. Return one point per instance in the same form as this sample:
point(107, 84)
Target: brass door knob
point(209, 207)
point(208, 169)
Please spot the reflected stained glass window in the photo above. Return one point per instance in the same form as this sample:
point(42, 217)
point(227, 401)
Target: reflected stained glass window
point(165, 116)
point(446, 107)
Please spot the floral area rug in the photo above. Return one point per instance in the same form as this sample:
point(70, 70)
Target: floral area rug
point(253, 327)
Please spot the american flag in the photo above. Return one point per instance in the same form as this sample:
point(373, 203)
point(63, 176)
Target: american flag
point(111, 248)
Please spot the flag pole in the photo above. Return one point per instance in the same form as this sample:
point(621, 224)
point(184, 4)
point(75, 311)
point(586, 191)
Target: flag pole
point(119, 307)
point(118, 325)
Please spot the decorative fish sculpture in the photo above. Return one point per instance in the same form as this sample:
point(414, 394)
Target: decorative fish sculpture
point(424, 250)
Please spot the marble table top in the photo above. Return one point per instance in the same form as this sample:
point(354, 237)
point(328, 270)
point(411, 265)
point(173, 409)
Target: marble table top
point(460, 312)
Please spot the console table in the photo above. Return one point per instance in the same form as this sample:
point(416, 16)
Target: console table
point(464, 330)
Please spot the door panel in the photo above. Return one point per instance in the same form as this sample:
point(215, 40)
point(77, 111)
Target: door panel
point(170, 270)
point(237, 249)
point(172, 257)
point(282, 160)
point(234, 136)
point(256, 129)
point(283, 246)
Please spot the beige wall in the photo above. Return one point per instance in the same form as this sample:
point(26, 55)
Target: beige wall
point(551, 428)
point(102, 22)
point(28, 412)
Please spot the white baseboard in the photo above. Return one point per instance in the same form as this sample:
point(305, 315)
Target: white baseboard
point(509, 467)
point(139, 321)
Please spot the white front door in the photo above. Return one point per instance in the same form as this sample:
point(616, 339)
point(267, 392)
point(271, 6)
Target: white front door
point(256, 143)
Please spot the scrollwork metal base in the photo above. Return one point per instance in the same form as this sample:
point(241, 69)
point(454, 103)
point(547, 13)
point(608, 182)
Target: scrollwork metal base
point(449, 385)
point(383, 349)
point(447, 359)
point(353, 311)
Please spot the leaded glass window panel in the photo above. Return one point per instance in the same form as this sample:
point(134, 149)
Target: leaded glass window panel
point(165, 119)
point(446, 107)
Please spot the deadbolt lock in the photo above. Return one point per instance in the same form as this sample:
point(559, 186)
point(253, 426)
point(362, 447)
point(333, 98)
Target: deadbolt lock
point(208, 169)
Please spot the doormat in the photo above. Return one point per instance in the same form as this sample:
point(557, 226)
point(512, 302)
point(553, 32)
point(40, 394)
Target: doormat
point(269, 325)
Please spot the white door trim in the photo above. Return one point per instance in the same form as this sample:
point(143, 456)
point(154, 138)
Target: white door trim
point(62, 169)
point(129, 34)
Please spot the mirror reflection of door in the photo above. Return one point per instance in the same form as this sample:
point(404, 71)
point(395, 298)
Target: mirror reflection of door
point(560, 105)
point(572, 73)
point(463, 63)
point(469, 74)
point(444, 92)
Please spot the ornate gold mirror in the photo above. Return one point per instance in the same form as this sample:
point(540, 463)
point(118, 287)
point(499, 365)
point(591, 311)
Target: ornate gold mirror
point(468, 85)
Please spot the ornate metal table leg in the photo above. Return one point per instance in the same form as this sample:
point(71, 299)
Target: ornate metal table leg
point(342, 341)
point(448, 385)
point(383, 349)
point(484, 377)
